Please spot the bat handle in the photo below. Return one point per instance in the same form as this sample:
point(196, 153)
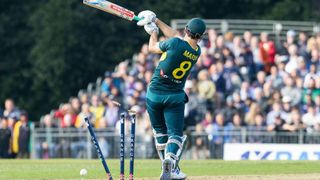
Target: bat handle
point(136, 18)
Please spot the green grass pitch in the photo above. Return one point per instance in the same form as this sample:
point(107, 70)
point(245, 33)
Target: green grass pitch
point(70, 168)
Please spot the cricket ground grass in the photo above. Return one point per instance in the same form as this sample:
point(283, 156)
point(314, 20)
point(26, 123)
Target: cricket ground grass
point(150, 169)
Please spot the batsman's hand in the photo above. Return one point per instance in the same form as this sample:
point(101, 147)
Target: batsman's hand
point(151, 27)
point(147, 17)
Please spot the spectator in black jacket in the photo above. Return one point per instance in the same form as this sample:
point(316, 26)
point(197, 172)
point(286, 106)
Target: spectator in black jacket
point(5, 138)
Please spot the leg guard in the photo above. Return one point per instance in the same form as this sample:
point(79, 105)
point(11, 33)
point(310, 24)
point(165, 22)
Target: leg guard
point(160, 142)
point(174, 148)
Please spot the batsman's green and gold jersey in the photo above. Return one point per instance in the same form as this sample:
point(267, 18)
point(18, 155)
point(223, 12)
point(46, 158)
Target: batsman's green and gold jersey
point(177, 59)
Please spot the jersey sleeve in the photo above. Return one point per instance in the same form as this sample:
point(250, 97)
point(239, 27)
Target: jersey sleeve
point(168, 44)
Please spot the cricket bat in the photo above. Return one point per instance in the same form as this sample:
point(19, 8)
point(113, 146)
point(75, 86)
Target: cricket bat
point(112, 8)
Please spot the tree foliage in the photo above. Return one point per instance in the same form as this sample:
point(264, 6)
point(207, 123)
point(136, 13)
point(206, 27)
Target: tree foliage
point(51, 49)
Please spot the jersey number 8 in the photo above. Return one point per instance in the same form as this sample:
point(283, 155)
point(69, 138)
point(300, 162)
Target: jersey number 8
point(179, 72)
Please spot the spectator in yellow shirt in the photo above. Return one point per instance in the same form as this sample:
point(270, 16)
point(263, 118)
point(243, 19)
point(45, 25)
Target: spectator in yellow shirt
point(97, 109)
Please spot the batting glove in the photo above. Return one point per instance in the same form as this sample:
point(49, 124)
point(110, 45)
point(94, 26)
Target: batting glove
point(151, 27)
point(147, 17)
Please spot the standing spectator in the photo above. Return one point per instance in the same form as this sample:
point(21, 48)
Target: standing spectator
point(290, 39)
point(212, 37)
point(246, 63)
point(302, 44)
point(254, 46)
point(5, 139)
point(10, 110)
point(46, 148)
point(21, 137)
point(267, 51)
point(247, 37)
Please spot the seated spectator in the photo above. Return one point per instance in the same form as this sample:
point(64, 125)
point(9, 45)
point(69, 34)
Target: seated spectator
point(85, 112)
point(200, 149)
point(97, 109)
point(107, 83)
point(250, 116)
point(291, 91)
point(276, 111)
point(278, 124)
point(286, 108)
point(111, 114)
point(217, 78)
point(207, 122)
point(311, 90)
point(311, 119)
point(245, 91)
point(293, 59)
point(261, 79)
point(206, 88)
point(205, 58)
point(238, 104)
point(258, 129)
point(84, 98)
point(232, 77)
point(274, 78)
point(229, 109)
point(65, 116)
point(314, 59)
point(75, 105)
point(311, 76)
point(296, 123)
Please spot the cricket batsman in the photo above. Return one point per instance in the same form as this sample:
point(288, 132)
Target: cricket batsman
point(165, 95)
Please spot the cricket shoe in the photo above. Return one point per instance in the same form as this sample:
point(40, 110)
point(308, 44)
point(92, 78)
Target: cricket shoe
point(177, 174)
point(166, 169)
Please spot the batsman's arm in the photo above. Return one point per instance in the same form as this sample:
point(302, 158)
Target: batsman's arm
point(154, 44)
point(167, 30)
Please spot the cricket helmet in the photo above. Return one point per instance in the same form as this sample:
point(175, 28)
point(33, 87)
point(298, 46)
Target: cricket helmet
point(195, 28)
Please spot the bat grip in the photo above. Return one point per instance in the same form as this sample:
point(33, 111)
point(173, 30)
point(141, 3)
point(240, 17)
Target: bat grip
point(136, 18)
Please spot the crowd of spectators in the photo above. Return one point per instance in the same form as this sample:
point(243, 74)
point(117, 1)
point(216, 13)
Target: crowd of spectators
point(251, 81)
point(14, 131)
